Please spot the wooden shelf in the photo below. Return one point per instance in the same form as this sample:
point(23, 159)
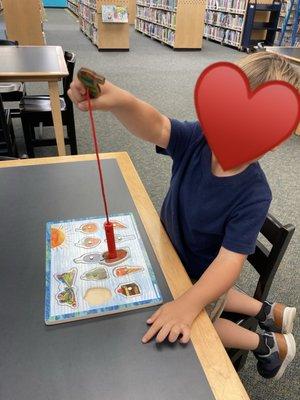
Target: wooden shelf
point(24, 21)
point(106, 36)
point(177, 23)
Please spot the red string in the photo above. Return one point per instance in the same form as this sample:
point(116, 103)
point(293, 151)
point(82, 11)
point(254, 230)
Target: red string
point(102, 192)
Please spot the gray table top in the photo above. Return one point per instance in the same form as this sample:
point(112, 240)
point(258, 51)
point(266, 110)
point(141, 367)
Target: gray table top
point(41, 62)
point(291, 53)
point(101, 358)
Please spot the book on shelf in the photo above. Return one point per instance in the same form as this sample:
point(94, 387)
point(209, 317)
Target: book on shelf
point(114, 14)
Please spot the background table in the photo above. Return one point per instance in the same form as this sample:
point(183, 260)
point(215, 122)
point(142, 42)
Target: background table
point(37, 64)
point(292, 54)
point(103, 357)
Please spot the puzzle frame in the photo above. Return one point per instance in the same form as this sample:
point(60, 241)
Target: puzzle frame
point(78, 275)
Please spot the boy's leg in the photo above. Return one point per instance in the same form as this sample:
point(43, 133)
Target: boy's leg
point(274, 317)
point(274, 351)
point(241, 303)
point(235, 336)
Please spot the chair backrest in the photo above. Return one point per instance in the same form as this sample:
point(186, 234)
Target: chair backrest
point(70, 59)
point(4, 42)
point(266, 262)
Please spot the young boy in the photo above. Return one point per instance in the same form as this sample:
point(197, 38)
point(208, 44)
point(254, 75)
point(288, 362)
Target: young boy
point(213, 218)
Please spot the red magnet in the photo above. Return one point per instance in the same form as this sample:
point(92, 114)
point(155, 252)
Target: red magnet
point(110, 238)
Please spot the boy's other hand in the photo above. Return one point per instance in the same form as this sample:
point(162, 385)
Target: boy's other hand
point(173, 320)
point(109, 99)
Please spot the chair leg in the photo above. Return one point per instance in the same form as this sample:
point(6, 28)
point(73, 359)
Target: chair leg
point(27, 131)
point(72, 135)
point(241, 361)
point(14, 146)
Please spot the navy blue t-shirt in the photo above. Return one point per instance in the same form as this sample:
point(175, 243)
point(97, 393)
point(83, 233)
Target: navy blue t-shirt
point(203, 212)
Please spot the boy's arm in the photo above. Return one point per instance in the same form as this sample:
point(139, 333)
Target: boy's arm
point(141, 119)
point(176, 318)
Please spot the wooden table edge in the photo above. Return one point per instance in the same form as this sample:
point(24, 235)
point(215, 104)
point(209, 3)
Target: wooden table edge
point(220, 373)
point(272, 49)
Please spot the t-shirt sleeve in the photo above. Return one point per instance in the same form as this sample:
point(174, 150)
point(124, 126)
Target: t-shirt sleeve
point(182, 135)
point(244, 225)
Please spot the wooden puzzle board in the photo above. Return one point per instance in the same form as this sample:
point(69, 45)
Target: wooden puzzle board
point(81, 282)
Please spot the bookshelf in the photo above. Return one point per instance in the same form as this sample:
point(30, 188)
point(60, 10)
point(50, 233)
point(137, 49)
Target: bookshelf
point(73, 6)
point(24, 21)
point(225, 21)
point(106, 36)
point(177, 23)
point(286, 4)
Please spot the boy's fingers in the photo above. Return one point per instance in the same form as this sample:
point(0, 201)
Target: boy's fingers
point(151, 332)
point(83, 106)
point(175, 332)
point(163, 333)
point(186, 334)
point(78, 86)
point(153, 317)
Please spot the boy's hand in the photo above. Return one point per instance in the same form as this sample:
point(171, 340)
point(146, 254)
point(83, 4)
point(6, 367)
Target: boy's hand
point(111, 96)
point(171, 320)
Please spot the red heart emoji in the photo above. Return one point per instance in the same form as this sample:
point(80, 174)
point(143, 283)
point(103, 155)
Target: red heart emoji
point(241, 125)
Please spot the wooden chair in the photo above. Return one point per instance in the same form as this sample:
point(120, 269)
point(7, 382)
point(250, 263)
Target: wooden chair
point(12, 91)
point(266, 263)
point(36, 112)
point(8, 146)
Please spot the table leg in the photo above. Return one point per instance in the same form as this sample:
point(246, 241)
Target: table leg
point(57, 119)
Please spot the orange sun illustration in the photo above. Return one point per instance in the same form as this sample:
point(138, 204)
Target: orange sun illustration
point(57, 237)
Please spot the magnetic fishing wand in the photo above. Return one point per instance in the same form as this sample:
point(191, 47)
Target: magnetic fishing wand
point(92, 82)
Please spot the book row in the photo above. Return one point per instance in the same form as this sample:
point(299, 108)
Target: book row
point(89, 3)
point(158, 32)
point(222, 35)
point(157, 16)
point(227, 4)
point(89, 30)
point(87, 13)
point(73, 7)
point(233, 21)
point(166, 4)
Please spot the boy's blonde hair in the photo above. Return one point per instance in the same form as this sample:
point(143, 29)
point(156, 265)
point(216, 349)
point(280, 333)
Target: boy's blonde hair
point(262, 67)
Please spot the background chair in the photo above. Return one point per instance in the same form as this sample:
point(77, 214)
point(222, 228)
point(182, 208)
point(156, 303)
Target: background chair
point(8, 146)
point(12, 91)
point(266, 263)
point(36, 112)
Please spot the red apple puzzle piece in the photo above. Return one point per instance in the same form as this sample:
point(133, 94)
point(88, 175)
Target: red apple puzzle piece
point(240, 125)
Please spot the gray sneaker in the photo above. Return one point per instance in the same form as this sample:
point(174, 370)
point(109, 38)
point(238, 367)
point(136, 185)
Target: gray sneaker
point(277, 318)
point(280, 352)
